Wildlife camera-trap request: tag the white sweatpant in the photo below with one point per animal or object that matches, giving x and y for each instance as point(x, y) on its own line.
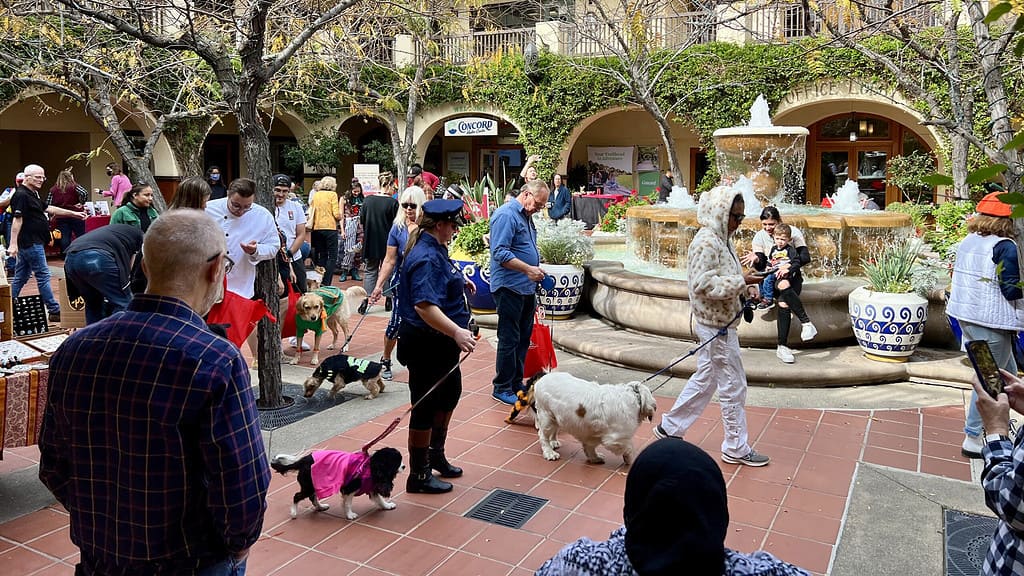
point(718, 368)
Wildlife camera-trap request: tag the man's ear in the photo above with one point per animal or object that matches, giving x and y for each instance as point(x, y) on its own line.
point(213, 268)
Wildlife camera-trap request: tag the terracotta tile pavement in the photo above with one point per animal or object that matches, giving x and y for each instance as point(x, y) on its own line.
point(793, 508)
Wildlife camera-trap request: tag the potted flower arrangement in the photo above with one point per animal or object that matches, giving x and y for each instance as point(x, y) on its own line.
point(888, 315)
point(563, 248)
point(473, 256)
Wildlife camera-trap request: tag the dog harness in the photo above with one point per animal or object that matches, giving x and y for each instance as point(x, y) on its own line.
point(332, 297)
point(332, 469)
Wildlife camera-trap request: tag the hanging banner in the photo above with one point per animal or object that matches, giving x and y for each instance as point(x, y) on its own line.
point(611, 168)
point(647, 158)
point(367, 174)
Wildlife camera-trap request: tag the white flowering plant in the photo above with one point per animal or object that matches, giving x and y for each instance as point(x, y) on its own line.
point(563, 241)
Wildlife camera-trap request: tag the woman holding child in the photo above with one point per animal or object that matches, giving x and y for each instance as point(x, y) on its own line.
point(781, 250)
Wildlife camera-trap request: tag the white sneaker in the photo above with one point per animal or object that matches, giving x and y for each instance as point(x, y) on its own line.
point(785, 354)
point(808, 332)
point(294, 342)
point(972, 446)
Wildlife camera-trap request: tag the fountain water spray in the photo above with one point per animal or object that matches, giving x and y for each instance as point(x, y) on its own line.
point(846, 199)
point(680, 198)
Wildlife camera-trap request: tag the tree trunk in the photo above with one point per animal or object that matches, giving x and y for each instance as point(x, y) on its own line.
point(185, 137)
point(256, 147)
point(665, 130)
point(135, 167)
point(958, 161)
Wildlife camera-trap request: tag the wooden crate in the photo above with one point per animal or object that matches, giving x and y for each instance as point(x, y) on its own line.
point(6, 313)
point(72, 313)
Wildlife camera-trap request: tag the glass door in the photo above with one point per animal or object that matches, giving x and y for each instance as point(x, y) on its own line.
point(871, 165)
point(835, 166)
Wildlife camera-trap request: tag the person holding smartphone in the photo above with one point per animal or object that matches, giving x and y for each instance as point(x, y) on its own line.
point(984, 296)
point(1003, 476)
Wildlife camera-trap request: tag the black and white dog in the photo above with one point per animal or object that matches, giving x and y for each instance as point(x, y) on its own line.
point(324, 472)
point(340, 370)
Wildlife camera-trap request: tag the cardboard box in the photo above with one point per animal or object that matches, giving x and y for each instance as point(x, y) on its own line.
point(6, 313)
point(72, 313)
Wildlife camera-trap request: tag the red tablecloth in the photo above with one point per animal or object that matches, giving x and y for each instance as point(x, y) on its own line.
point(604, 196)
point(94, 222)
point(22, 401)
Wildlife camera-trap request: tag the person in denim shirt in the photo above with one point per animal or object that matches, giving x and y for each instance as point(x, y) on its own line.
point(515, 272)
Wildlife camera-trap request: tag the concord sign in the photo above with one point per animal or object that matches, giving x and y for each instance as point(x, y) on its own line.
point(471, 126)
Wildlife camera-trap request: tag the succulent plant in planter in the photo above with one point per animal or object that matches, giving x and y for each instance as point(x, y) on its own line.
point(564, 247)
point(888, 315)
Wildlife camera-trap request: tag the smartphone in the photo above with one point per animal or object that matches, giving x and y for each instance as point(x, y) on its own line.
point(985, 366)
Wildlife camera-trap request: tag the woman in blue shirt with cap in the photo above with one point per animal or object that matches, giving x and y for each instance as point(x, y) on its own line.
point(434, 331)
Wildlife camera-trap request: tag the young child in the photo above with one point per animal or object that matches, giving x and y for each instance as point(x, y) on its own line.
point(789, 287)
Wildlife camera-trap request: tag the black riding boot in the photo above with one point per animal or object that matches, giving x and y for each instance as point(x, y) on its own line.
point(421, 480)
point(438, 436)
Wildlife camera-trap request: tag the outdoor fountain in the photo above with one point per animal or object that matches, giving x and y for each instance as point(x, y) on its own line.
point(766, 163)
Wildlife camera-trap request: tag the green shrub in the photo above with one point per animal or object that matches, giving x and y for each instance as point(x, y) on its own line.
point(950, 227)
point(614, 220)
point(918, 212)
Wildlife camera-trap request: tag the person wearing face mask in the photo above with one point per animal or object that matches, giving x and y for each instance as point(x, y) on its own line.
point(119, 184)
point(216, 181)
point(199, 441)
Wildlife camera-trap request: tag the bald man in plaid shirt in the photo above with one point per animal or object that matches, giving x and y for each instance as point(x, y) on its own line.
point(1003, 477)
point(150, 437)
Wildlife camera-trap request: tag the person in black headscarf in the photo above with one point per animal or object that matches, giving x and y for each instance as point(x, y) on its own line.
point(676, 515)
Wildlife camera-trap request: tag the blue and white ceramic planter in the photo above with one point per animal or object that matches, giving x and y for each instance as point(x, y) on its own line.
point(888, 326)
point(561, 300)
point(482, 302)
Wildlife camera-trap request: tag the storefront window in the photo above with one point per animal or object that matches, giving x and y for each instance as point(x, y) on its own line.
point(854, 127)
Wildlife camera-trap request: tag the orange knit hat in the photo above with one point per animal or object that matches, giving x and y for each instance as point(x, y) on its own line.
point(991, 205)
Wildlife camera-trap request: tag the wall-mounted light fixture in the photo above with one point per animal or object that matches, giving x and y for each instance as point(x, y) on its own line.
point(853, 136)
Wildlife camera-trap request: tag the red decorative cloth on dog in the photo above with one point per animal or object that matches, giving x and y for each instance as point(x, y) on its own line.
point(332, 469)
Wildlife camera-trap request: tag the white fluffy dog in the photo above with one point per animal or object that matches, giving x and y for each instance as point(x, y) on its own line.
point(595, 414)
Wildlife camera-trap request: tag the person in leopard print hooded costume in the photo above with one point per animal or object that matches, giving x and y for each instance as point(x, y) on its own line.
point(717, 286)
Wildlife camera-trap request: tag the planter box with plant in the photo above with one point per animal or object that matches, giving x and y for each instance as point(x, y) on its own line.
point(473, 256)
point(889, 314)
point(564, 248)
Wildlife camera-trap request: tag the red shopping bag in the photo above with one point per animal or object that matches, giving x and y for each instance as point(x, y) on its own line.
point(287, 312)
point(541, 355)
point(239, 316)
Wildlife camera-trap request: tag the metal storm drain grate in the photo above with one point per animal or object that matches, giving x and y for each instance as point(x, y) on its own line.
point(967, 540)
point(506, 508)
point(272, 419)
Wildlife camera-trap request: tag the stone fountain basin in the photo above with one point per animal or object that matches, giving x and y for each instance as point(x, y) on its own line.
point(662, 306)
point(838, 240)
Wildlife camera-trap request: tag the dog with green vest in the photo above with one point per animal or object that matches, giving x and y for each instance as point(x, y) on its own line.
point(316, 311)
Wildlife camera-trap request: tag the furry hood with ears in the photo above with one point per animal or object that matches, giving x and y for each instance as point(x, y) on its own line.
point(716, 279)
point(713, 210)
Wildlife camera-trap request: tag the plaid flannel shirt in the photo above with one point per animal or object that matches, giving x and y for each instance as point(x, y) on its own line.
point(151, 441)
point(1003, 481)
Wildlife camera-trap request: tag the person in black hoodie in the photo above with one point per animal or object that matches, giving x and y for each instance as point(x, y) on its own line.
point(676, 515)
point(99, 266)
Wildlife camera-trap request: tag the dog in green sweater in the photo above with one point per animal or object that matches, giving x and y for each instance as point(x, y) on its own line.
point(325, 308)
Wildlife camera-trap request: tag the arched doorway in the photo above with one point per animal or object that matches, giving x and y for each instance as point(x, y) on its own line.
point(857, 146)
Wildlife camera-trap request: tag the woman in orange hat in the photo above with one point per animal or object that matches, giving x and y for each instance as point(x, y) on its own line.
point(985, 297)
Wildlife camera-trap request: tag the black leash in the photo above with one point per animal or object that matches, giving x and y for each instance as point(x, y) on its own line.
point(394, 424)
point(748, 306)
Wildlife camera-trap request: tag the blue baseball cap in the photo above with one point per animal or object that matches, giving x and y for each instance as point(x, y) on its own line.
point(444, 210)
